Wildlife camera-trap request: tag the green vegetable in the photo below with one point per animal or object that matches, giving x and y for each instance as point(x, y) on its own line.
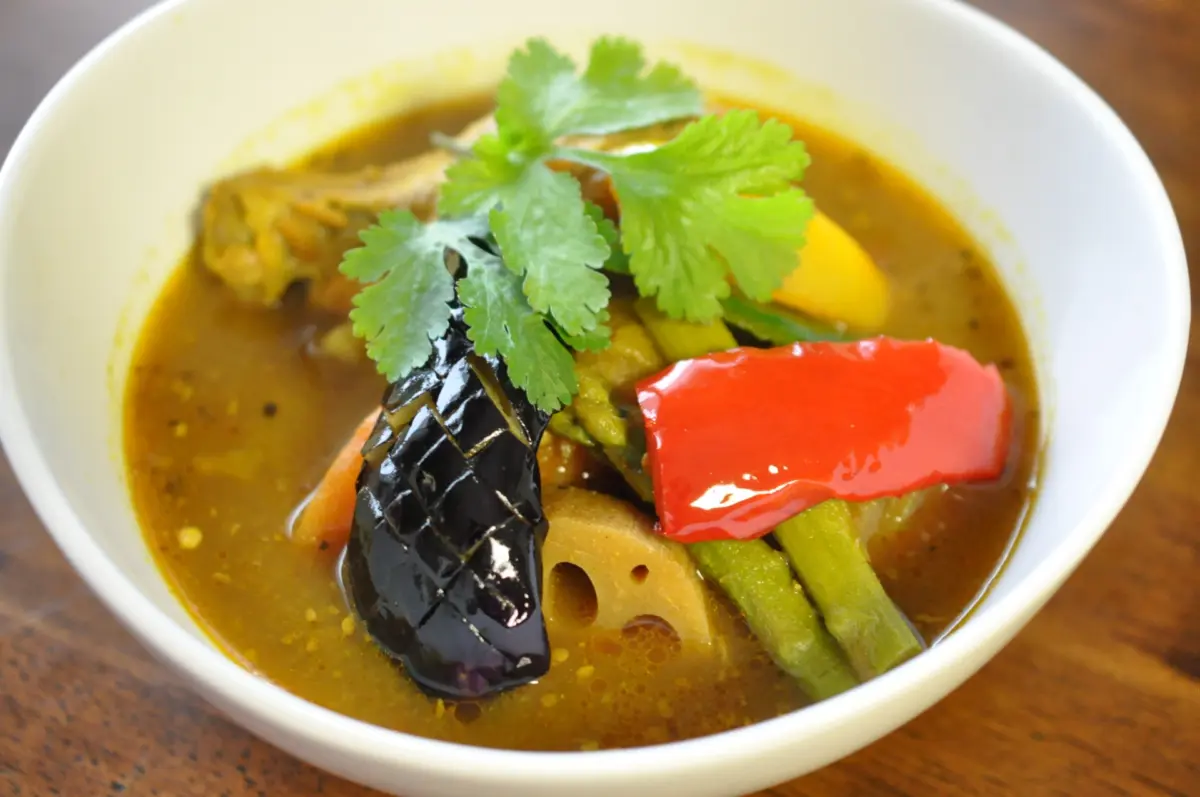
point(825, 551)
point(628, 460)
point(407, 306)
point(562, 423)
point(543, 98)
point(595, 411)
point(603, 425)
point(618, 261)
point(719, 199)
point(758, 581)
point(500, 321)
point(774, 324)
point(545, 233)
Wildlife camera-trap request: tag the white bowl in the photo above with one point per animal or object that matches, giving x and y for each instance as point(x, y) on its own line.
point(96, 202)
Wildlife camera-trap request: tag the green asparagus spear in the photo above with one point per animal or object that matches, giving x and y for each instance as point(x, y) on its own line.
point(823, 546)
point(757, 579)
point(596, 417)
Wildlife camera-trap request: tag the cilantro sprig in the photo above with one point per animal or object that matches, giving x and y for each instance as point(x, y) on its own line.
point(718, 201)
point(719, 197)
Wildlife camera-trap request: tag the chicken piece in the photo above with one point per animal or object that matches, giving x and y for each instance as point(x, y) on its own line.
point(266, 229)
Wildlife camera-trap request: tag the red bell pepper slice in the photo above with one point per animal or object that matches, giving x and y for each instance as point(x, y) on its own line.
point(741, 440)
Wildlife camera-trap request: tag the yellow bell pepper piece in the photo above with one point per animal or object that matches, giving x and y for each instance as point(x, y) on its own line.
point(836, 279)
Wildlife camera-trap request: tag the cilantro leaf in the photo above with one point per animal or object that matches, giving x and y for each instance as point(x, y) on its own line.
point(618, 261)
point(545, 234)
point(720, 197)
point(538, 87)
point(542, 366)
point(669, 261)
point(473, 185)
point(500, 321)
point(544, 98)
point(406, 304)
point(624, 96)
point(593, 340)
point(766, 234)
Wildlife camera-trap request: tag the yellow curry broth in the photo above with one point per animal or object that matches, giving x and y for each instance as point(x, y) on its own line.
point(230, 421)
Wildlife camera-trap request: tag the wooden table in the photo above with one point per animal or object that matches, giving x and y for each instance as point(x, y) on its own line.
point(1099, 696)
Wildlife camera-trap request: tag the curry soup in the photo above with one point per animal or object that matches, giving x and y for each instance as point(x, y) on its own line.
point(233, 414)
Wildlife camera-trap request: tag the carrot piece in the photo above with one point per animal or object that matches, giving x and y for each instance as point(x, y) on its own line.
point(329, 514)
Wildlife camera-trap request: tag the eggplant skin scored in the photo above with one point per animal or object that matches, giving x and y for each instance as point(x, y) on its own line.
point(444, 562)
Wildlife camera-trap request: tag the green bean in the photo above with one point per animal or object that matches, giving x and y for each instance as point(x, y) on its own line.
point(757, 579)
point(825, 551)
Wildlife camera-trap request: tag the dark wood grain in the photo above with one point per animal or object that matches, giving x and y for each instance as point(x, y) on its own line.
point(1100, 695)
